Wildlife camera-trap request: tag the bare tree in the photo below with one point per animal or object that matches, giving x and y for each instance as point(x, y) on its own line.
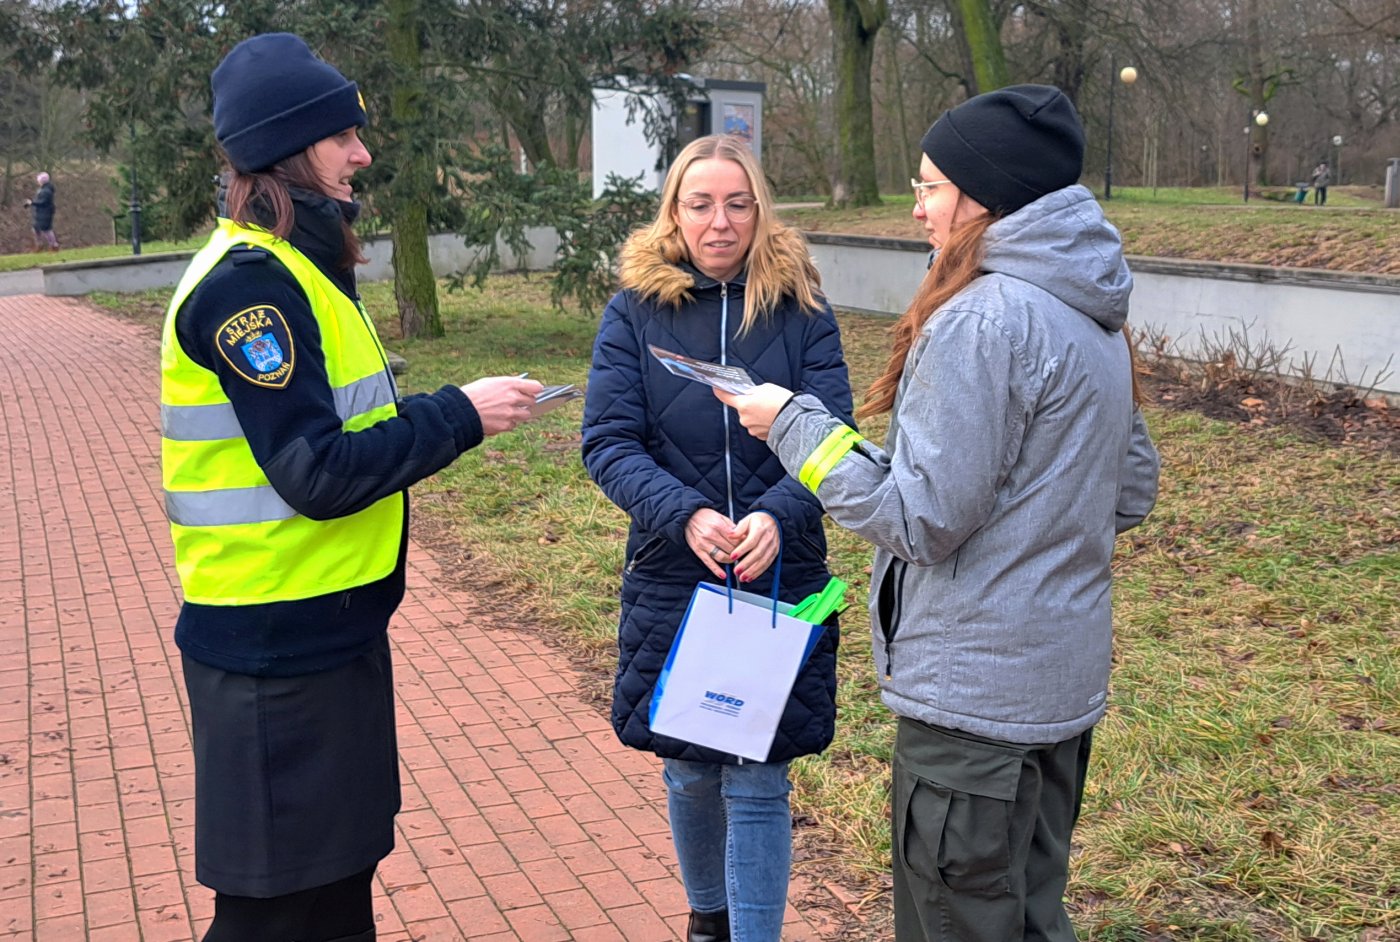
point(854, 26)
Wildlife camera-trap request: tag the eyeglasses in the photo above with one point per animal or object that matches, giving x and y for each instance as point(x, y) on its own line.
point(923, 188)
point(739, 209)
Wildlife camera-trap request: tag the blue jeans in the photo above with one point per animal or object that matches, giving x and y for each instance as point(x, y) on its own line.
point(733, 834)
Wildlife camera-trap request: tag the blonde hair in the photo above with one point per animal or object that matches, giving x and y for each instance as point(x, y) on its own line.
point(765, 285)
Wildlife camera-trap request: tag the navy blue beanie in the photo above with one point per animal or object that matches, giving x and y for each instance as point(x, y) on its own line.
point(273, 98)
point(1009, 147)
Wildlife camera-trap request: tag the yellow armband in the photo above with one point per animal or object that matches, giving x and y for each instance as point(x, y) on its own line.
point(832, 449)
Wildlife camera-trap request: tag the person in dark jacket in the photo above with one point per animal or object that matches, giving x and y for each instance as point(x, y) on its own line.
point(286, 454)
point(1015, 454)
point(716, 277)
point(41, 209)
point(1321, 180)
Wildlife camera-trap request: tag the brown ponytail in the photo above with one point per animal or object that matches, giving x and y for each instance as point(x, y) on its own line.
point(264, 199)
point(957, 266)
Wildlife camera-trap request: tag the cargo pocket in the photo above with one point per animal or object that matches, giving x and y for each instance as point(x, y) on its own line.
point(953, 807)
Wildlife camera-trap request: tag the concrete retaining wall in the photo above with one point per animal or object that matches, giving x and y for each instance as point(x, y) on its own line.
point(134, 273)
point(1342, 327)
point(1348, 324)
point(448, 255)
point(163, 270)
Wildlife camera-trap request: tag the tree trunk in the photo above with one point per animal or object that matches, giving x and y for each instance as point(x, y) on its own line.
point(899, 158)
point(573, 136)
point(1072, 32)
point(855, 24)
point(415, 288)
point(526, 116)
point(981, 41)
point(1258, 93)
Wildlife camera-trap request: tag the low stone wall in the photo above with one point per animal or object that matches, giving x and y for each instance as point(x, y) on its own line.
point(1332, 325)
point(132, 273)
point(446, 252)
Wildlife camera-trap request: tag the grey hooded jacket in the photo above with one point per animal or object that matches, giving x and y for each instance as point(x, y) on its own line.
point(1014, 455)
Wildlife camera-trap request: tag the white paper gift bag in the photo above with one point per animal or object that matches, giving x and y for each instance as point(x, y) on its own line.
point(730, 670)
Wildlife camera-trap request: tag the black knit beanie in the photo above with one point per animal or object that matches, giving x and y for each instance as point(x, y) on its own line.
point(1009, 147)
point(273, 98)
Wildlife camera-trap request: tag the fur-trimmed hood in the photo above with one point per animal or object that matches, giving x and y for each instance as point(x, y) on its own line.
point(647, 267)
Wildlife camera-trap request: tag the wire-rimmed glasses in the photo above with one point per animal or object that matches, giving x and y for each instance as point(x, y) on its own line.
point(923, 188)
point(736, 209)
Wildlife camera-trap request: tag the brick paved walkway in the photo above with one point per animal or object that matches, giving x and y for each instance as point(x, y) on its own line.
point(523, 818)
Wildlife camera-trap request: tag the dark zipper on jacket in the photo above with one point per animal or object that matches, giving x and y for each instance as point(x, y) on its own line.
point(890, 629)
point(644, 552)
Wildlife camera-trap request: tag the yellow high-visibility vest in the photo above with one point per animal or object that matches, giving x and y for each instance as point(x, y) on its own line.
point(236, 541)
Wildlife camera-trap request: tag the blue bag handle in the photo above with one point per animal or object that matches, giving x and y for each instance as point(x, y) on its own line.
point(777, 573)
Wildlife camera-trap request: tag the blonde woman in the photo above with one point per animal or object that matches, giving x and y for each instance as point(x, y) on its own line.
point(1015, 453)
point(717, 277)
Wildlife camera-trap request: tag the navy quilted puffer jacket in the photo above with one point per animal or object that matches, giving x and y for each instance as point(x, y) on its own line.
point(662, 447)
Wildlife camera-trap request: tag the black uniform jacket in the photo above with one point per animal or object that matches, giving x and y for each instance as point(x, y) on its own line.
point(320, 470)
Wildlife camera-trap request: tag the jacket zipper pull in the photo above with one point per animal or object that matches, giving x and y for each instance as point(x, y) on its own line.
point(889, 662)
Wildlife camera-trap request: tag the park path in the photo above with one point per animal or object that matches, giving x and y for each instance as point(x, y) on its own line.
point(524, 820)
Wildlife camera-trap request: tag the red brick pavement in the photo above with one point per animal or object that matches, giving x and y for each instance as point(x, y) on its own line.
point(523, 817)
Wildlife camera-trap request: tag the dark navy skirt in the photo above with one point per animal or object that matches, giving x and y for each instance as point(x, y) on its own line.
point(296, 778)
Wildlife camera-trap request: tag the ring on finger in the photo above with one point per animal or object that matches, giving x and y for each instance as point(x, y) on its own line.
point(714, 553)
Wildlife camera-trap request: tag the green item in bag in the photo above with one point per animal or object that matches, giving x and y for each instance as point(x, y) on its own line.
point(817, 608)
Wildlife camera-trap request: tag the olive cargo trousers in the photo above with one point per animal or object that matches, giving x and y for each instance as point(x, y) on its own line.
point(981, 835)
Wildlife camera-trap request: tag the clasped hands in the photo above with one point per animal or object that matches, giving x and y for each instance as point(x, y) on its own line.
point(751, 544)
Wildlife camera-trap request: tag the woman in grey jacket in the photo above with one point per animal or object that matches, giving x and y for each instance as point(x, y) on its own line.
point(1014, 455)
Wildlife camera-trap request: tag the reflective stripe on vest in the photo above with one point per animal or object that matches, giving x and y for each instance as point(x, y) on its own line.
point(237, 542)
point(218, 421)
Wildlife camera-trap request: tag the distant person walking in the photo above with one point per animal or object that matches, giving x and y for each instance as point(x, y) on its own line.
point(1321, 177)
point(41, 207)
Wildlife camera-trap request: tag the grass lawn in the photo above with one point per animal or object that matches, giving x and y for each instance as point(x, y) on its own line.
point(90, 252)
point(1349, 234)
point(1244, 783)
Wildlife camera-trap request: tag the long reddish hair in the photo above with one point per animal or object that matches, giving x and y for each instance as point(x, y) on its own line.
point(257, 198)
point(957, 266)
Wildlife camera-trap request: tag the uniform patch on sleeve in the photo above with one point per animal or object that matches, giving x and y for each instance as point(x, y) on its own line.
point(257, 343)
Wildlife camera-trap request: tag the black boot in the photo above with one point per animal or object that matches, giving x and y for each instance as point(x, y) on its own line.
point(708, 927)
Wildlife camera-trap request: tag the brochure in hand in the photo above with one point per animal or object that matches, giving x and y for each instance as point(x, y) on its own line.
point(552, 397)
point(731, 379)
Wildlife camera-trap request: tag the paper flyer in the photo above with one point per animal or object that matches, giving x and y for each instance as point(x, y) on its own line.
point(731, 379)
point(552, 397)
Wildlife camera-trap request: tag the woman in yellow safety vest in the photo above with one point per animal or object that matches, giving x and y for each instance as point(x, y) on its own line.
point(286, 452)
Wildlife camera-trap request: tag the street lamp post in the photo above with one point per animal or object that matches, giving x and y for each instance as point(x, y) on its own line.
point(1127, 76)
point(135, 209)
point(1337, 156)
point(1260, 118)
